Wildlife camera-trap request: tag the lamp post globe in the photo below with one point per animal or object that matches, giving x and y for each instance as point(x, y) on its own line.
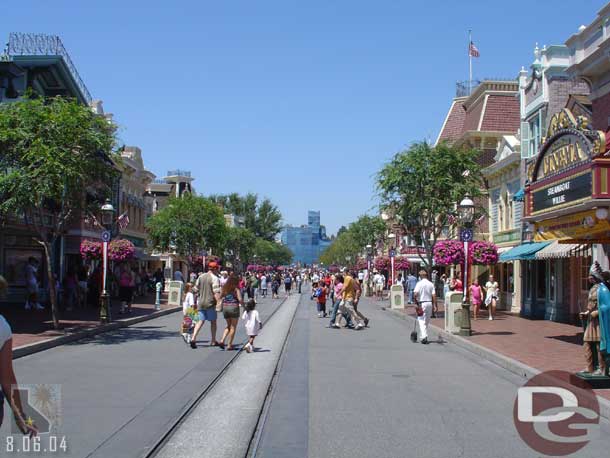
point(466, 211)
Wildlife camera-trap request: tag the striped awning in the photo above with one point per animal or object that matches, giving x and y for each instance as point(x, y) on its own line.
point(558, 250)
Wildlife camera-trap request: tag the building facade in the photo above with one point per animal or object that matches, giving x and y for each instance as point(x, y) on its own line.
point(306, 242)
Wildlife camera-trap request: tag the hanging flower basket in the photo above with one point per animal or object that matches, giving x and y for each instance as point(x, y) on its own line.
point(483, 253)
point(333, 268)
point(121, 250)
point(448, 252)
point(382, 263)
point(401, 263)
point(90, 250)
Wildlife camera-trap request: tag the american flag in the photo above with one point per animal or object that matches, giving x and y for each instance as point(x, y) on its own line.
point(123, 221)
point(473, 51)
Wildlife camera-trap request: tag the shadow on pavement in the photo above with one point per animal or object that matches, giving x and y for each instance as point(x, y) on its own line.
point(128, 334)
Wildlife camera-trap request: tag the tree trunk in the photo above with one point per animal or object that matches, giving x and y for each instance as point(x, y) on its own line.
point(51, 280)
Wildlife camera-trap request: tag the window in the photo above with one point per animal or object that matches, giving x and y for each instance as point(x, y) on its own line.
point(541, 280)
point(534, 131)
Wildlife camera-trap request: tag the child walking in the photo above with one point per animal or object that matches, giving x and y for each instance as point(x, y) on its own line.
point(252, 322)
point(187, 322)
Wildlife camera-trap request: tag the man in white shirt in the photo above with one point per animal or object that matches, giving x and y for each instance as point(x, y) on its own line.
point(379, 281)
point(425, 297)
point(360, 277)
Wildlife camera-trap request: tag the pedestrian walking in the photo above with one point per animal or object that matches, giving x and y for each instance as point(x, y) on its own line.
point(275, 286)
point(321, 295)
point(360, 315)
point(31, 281)
point(178, 276)
point(187, 303)
point(230, 298)
point(338, 288)
point(252, 323)
point(264, 285)
point(288, 284)
point(208, 290)
point(476, 296)
point(299, 282)
point(425, 297)
point(492, 296)
point(379, 281)
point(346, 307)
point(411, 282)
point(125, 291)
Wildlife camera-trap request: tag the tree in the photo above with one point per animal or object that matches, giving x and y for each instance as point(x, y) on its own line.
point(267, 252)
point(351, 241)
point(188, 225)
point(422, 185)
point(239, 245)
point(263, 219)
point(57, 161)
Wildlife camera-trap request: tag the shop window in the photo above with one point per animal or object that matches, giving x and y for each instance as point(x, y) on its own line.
point(529, 279)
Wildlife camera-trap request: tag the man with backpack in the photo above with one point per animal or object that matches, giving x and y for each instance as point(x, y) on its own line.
point(288, 283)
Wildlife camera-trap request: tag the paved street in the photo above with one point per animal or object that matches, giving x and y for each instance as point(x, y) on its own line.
point(343, 393)
point(121, 390)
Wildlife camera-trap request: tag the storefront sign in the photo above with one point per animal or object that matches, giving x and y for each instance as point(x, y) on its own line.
point(582, 225)
point(562, 192)
point(505, 237)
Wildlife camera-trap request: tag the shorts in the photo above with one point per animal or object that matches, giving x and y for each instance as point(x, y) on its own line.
point(230, 311)
point(379, 288)
point(207, 314)
point(287, 286)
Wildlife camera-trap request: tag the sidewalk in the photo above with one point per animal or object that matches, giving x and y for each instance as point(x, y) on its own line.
point(543, 345)
point(31, 327)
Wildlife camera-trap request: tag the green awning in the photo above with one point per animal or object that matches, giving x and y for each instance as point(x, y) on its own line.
point(523, 252)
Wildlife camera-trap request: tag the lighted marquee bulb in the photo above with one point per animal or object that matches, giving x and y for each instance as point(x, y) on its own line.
point(601, 213)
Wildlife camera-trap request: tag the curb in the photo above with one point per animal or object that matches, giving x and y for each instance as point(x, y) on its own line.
point(36, 347)
point(505, 362)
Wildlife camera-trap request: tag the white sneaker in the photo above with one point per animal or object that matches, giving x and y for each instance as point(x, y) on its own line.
point(359, 326)
point(248, 348)
point(491, 318)
point(28, 306)
point(39, 307)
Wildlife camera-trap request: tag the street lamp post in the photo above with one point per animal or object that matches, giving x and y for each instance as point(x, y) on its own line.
point(466, 217)
point(392, 254)
point(107, 211)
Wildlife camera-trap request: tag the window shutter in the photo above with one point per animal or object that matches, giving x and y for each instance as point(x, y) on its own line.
point(525, 140)
point(517, 214)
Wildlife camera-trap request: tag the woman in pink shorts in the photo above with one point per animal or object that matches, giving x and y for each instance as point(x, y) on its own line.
point(476, 296)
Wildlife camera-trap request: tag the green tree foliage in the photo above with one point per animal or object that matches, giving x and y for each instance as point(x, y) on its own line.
point(188, 225)
point(239, 246)
point(273, 253)
point(422, 185)
point(55, 157)
point(351, 241)
point(262, 218)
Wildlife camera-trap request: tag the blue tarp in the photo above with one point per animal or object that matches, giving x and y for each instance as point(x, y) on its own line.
point(523, 252)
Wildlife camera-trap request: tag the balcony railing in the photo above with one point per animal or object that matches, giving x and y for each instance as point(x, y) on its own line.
point(36, 44)
point(179, 173)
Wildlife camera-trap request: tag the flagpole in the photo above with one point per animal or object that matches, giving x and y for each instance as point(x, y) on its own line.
point(469, 62)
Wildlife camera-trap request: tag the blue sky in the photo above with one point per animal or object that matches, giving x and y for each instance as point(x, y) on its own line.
point(300, 101)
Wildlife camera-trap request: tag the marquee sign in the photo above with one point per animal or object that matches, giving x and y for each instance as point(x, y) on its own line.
point(560, 193)
point(568, 144)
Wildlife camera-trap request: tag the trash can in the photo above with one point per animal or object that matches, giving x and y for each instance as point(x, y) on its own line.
point(397, 297)
point(453, 311)
point(175, 293)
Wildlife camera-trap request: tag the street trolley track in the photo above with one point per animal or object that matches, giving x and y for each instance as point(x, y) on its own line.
point(262, 419)
point(181, 417)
